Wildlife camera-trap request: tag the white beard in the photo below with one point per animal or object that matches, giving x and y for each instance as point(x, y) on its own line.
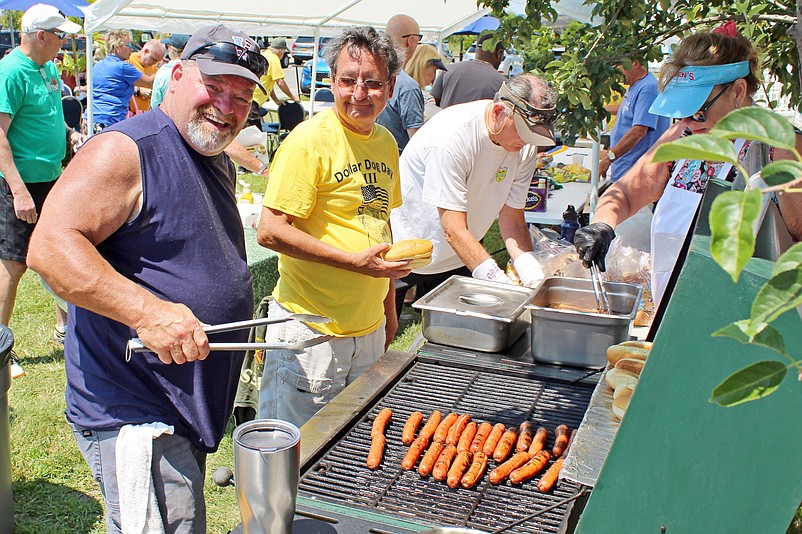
point(204, 137)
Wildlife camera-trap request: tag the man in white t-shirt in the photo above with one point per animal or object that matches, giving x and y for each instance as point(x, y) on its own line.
point(468, 165)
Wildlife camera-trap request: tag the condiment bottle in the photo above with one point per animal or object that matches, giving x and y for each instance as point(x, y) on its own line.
point(570, 224)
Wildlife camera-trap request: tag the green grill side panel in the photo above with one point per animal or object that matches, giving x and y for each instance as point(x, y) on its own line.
point(680, 464)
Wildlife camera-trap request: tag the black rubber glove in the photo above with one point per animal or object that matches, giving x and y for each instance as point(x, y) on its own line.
point(592, 243)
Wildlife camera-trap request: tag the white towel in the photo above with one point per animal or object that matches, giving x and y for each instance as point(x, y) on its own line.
point(139, 511)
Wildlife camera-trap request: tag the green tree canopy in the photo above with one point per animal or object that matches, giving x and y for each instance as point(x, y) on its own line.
point(585, 75)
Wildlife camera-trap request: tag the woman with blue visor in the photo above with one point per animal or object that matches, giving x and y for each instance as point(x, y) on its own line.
point(709, 75)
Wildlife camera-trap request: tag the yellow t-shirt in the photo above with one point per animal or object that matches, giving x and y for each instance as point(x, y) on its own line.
point(340, 187)
point(143, 103)
point(274, 72)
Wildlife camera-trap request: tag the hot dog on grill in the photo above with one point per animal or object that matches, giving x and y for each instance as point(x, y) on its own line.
point(376, 451)
point(414, 452)
point(432, 454)
point(481, 436)
point(443, 463)
point(539, 441)
point(412, 424)
point(380, 423)
point(457, 429)
point(505, 445)
point(458, 468)
point(492, 440)
point(431, 425)
point(475, 471)
point(377, 439)
point(500, 473)
point(445, 425)
point(561, 437)
point(531, 468)
point(549, 478)
point(465, 440)
point(525, 434)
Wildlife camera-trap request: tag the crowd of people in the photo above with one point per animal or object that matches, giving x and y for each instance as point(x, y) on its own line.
point(374, 169)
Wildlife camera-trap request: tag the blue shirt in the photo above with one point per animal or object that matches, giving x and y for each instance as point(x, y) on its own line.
point(634, 111)
point(112, 89)
point(404, 110)
point(186, 245)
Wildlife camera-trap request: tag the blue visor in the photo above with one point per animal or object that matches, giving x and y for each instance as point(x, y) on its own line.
point(687, 92)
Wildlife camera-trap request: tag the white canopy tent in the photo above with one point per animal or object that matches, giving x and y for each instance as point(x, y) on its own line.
point(437, 19)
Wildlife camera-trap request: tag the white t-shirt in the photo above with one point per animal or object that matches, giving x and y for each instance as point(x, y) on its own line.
point(451, 163)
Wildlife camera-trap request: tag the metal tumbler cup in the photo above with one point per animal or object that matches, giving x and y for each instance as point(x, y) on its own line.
point(266, 473)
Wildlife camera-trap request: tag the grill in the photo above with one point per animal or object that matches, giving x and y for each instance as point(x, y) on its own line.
point(339, 480)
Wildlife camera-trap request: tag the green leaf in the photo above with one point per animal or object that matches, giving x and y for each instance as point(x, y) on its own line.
point(751, 383)
point(703, 147)
point(757, 124)
point(783, 291)
point(761, 334)
point(780, 172)
point(732, 241)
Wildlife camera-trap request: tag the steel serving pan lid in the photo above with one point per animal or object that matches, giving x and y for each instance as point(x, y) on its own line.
point(463, 295)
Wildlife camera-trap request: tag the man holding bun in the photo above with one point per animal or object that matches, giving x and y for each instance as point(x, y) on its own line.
point(326, 211)
point(469, 164)
point(418, 252)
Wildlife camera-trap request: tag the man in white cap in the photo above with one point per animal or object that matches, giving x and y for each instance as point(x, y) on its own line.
point(160, 254)
point(33, 139)
point(470, 164)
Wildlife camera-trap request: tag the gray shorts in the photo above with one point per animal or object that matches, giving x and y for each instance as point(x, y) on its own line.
point(296, 384)
point(178, 471)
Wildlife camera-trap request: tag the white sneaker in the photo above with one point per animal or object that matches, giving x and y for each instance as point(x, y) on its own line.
point(16, 369)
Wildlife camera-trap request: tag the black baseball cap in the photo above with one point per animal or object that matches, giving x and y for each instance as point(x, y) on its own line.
point(220, 50)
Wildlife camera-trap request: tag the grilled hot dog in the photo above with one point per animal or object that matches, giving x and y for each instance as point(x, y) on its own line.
point(481, 436)
point(525, 434)
point(531, 468)
point(410, 427)
point(457, 429)
point(475, 471)
point(380, 423)
point(465, 440)
point(458, 468)
point(493, 439)
point(500, 473)
point(561, 437)
point(443, 463)
point(445, 425)
point(539, 441)
point(505, 445)
point(432, 454)
point(376, 451)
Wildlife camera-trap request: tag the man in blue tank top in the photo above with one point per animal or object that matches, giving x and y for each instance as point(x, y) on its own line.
point(156, 252)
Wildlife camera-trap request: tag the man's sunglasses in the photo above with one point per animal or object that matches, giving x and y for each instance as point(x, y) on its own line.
point(533, 116)
point(418, 35)
point(235, 55)
point(369, 85)
point(60, 35)
point(701, 115)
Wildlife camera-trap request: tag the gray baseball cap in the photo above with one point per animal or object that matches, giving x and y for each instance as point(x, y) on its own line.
point(220, 50)
point(279, 44)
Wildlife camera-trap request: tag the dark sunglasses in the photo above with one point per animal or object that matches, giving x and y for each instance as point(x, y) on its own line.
point(533, 116)
point(418, 35)
point(369, 85)
point(235, 55)
point(60, 35)
point(701, 116)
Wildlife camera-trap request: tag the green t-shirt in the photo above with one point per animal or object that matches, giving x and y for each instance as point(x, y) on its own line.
point(31, 95)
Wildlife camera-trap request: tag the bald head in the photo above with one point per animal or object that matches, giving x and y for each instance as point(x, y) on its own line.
point(405, 32)
point(152, 53)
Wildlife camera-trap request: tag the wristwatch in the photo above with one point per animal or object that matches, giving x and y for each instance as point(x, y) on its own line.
point(611, 155)
point(262, 168)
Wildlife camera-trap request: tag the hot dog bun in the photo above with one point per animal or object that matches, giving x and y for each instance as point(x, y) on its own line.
point(416, 251)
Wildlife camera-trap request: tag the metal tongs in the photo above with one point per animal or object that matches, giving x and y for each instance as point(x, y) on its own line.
point(136, 345)
point(602, 301)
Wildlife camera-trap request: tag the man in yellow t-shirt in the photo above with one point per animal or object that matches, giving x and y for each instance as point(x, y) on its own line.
point(147, 61)
point(274, 76)
point(326, 211)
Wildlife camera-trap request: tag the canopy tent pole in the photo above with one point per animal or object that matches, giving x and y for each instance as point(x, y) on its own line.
point(90, 116)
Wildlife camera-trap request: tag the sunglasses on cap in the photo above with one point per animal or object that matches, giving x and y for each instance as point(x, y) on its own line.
point(532, 115)
point(701, 115)
point(60, 35)
point(235, 55)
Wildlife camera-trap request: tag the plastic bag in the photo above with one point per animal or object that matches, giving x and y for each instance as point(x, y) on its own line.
point(550, 251)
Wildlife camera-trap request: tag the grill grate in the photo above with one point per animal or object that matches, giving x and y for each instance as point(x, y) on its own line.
point(341, 476)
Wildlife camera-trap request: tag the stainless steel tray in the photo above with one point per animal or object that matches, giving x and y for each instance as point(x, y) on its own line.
point(475, 314)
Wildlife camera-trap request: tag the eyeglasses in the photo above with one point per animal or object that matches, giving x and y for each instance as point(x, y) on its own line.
point(418, 35)
point(234, 54)
point(701, 115)
point(369, 85)
point(60, 35)
point(533, 116)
